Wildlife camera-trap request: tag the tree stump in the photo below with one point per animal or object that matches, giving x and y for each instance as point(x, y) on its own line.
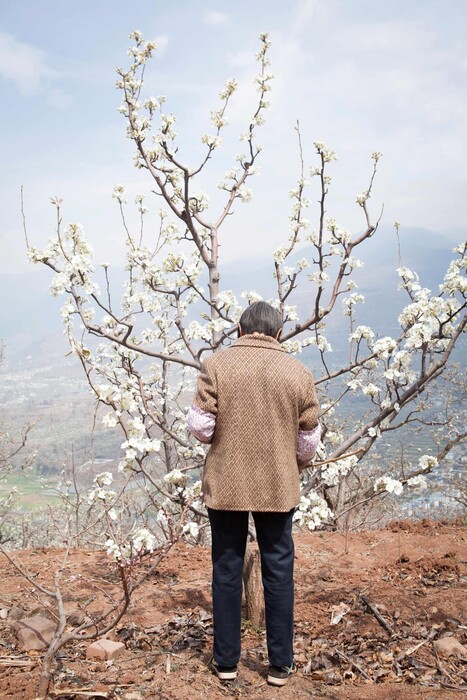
point(253, 586)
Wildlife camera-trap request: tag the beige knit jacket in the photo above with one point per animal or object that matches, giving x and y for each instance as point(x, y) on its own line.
point(261, 397)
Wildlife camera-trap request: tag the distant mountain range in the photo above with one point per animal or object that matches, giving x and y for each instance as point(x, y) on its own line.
point(426, 252)
point(30, 321)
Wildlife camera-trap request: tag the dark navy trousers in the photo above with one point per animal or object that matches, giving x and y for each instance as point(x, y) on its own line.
point(229, 536)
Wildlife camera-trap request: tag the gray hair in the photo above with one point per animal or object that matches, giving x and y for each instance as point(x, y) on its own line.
point(261, 317)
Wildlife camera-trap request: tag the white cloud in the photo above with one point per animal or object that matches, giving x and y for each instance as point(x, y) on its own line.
point(242, 59)
point(161, 42)
point(215, 19)
point(304, 12)
point(385, 36)
point(59, 99)
point(23, 64)
point(361, 81)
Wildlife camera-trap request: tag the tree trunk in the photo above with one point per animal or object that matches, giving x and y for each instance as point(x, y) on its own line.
point(253, 586)
point(44, 682)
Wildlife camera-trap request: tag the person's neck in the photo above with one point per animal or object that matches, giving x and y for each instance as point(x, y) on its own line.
point(259, 336)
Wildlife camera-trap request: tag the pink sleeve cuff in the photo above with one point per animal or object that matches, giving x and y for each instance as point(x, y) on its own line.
point(308, 441)
point(201, 423)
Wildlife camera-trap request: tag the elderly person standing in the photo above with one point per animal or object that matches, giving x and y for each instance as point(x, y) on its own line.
point(257, 407)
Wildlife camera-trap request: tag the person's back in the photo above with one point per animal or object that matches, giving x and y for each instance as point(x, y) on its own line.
point(264, 397)
point(257, 408)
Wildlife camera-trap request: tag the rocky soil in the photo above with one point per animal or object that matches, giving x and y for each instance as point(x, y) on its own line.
point(402, 591)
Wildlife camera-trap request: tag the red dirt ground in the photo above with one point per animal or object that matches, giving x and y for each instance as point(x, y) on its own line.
point(415, 572)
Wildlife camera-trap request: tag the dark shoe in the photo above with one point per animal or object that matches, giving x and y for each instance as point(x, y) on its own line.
point(224, 673)
point(279, 675)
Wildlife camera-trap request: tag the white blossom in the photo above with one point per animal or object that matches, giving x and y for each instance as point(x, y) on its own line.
point(143, 540)
point(427, 462)
point(191, 529)
point(353, 263)
point(229, 88)
point(362, 332)
point(161, 518)
point(292, 346)
point(350, 301)
point(319, 277)
point(113, 549)
point(319, 341)
point(362, 198)
point(279, 255)
point(370, 389)
point(212, 141)
point(312, 511)
point(244, 194)
point(227, 299)
point(252, 296)
point(354, 383)
point(110, 420)
point(67, 310)
point(118, 193)
point(104, 479)
point(101, 494)
point(383, 347)
point(196, 331)
point(387, 483)
point(59, 284)
point(291, 313)
point(176, 477)
point(418, 481)
point(332, 473)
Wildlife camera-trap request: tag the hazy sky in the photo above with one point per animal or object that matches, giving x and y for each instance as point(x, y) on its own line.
point(361, 75)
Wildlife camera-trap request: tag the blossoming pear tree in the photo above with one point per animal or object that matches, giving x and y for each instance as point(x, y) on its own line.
point(174, 311)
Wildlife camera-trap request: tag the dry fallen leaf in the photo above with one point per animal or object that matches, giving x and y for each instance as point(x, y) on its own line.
point(338, 612)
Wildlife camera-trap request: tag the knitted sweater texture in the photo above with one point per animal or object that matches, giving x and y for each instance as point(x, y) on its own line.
point(261, 398)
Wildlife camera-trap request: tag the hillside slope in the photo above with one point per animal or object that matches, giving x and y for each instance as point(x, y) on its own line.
point(414, 572)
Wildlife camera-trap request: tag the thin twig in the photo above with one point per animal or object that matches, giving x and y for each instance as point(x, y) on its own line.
point(337, 459)
point(377, 614)
point(415, 648)
point(352, 663)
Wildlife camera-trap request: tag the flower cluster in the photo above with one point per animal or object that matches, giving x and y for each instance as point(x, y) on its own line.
point(251, 296)
point(292, 346)
point(387, 483)
point(191, 529)
point(332, 473)
point(319, 341)
point(383, 347)
point(99, 492)
point(427, 462)
point(327, 155)
point(141, 541)
point(176, 478)
point(349, 302)
point(312, 512)
point(418, 481)
point(362, 332)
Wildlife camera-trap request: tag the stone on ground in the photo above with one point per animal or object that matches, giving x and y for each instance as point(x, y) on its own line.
point(104, 649)
point(35, 633)
point(450, 646)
